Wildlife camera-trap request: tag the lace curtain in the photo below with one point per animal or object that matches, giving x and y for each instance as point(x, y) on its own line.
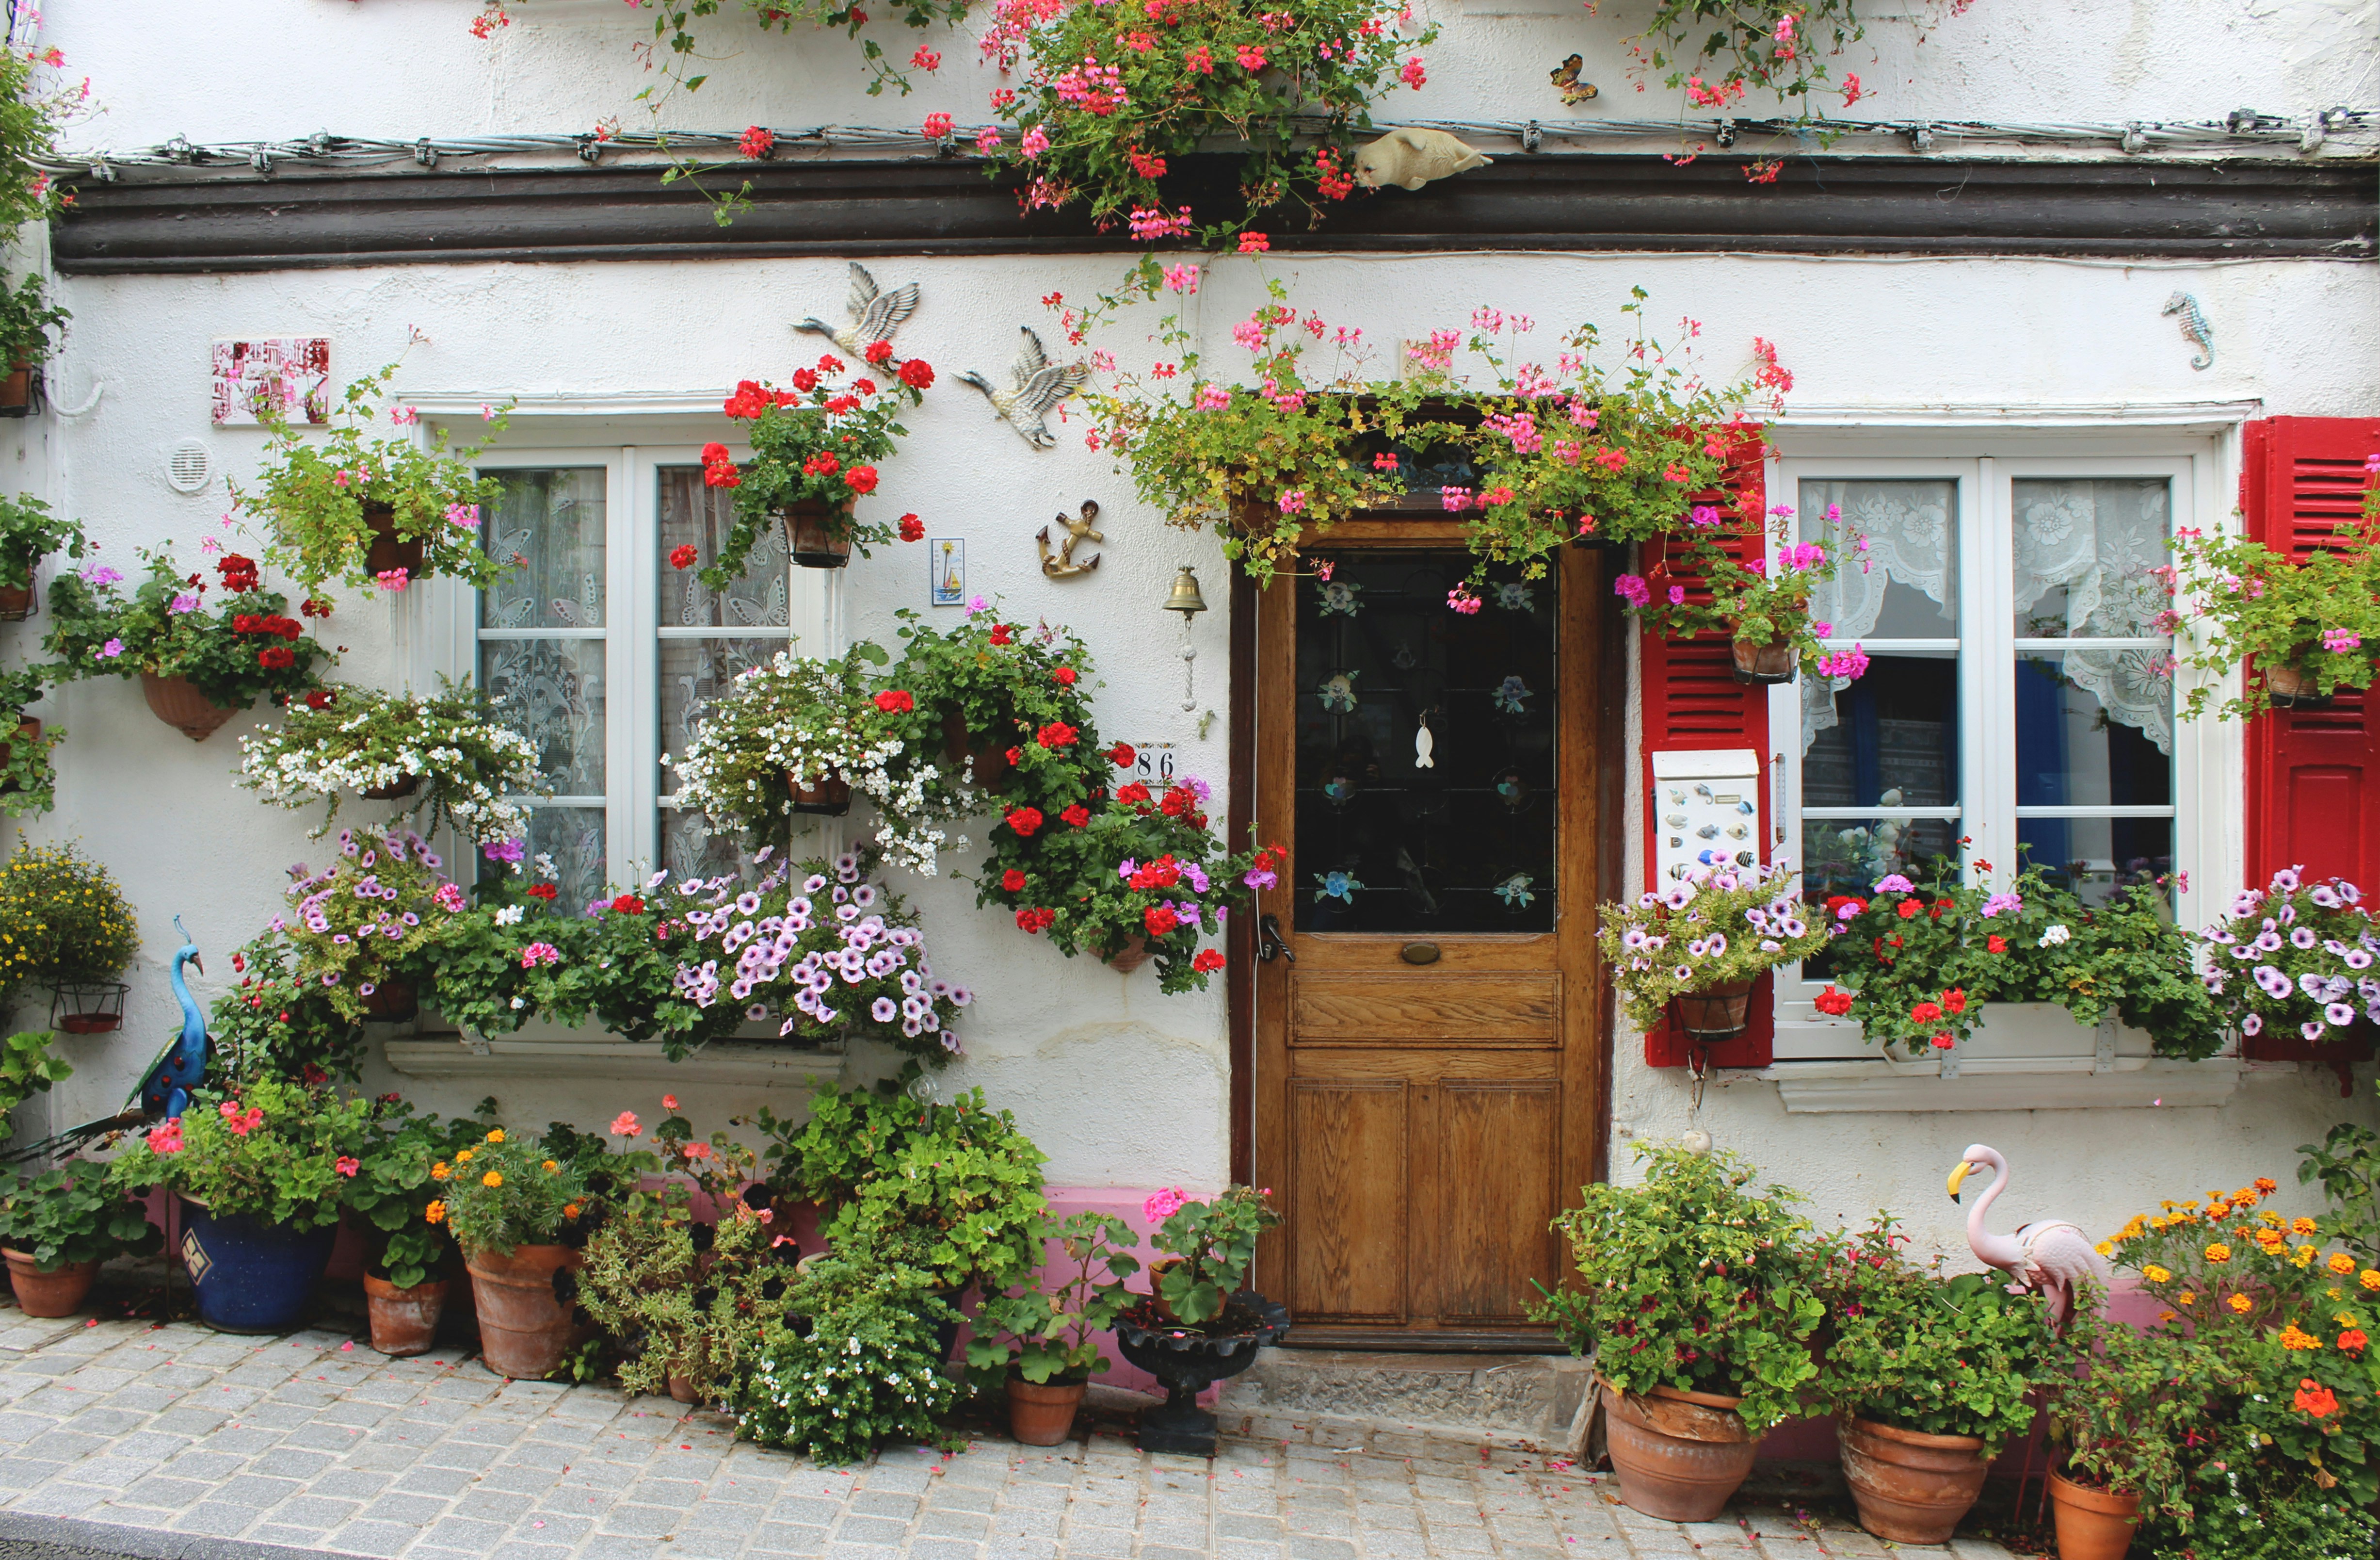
point(2084, 547)
point(1912, 530)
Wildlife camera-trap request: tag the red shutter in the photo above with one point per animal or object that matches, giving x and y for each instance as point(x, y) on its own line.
point(2313, 775)
point(1691, 700)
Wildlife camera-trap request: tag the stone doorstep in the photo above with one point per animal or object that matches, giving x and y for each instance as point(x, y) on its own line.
point(1534, 1402)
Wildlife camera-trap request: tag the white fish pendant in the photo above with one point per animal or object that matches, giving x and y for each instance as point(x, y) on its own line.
point(1423, 745)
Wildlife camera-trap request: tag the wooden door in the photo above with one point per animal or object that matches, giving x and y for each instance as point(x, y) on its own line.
point(1427, 1064)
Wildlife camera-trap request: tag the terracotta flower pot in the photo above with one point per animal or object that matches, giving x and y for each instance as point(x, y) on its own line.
point(403, 787)
point(387, 550)
point(393, 1002)
point(1679, 1455)
point(828, 796)
point(819, 536)
point(16, 598)
point(681, 1389)
point(986, 755)
point(2092, 1524)
point(1042, 1415)
point(2293, 688)
point(404, 1322)
point(1717, 1013)
point(1159, 1308)
point(524, 1321)
point(59, 1292)
point(1911, 1487)
point(183, 707)
point(1770, 663)
point(19, 390)
point(1135, 953)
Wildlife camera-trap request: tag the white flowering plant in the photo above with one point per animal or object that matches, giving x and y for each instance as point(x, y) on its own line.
point(370, 918)
point(2296, 955)
point(797, 722)
point(447, 753)
point(821, 945)
point(1712, 928)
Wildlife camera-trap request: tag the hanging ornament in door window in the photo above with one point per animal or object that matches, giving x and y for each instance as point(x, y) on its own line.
point(1337, 884)
point(1423, 745)
point(1338, 597)
point(1340, 785)
point(1512, 695)
point(1513, 596)
point(1337, 692)
point(1512, 789)
point(1515, 891)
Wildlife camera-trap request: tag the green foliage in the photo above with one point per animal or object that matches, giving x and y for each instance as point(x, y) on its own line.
point(313, 498)
point(703, 1301)
point(247, 648)
point(2233, 1520)
point(2321, 617)
point(1293, 446)
point(1749, 911)
point(29, 532)
point(27, 1068)
point(28, 780)
point(961, 1177)
point(1955, 1356)
point(2346, 1162)
point(504, 1192)
point(817, 443)
point(377, 914)
point(1694, 1281)
point(1213, 1244)
point(1921, 961)
point(2134, 1413)
point(1004, 682)
point(342, 738)
point(30, 117)
point(27, 315)
point(1716, 51)
point(860, 1368)
point(1051, 1329)
point(70, 1214)
point(63, 919)
point(1114, 97)
point(275, 1024)
point(271, 1150)
point(392, 1189)
point(1764, 601)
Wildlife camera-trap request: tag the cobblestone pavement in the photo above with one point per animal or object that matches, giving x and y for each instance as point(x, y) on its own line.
point(315, 1441)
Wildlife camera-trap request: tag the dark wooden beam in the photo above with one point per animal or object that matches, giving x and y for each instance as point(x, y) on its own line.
point(187, 221)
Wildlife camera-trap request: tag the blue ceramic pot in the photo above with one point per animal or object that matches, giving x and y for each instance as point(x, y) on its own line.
point(252, 1277)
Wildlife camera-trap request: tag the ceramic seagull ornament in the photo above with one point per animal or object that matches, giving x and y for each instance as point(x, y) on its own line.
point(875, 315)
point(1038, 386)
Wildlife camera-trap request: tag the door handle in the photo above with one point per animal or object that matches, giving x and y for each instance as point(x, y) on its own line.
point(1271, 944)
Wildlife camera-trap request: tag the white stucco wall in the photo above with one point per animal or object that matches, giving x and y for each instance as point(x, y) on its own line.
point(1121, 1087)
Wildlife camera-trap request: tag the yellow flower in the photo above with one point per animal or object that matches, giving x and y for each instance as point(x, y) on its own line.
point(435, 1212)
point(2241, 1304)
point(2304, 1255)
point(2302, 1226)
point(439, 1171)
point(2369, 1279)
point(2154, 1273)
point(2340, 1262)
point(497, 1136)
point(2218, 1253)
point(551, 1168)
point(2168, 1316)
point(492, 1179)
point(2271, 1241)
point(2346, 1319)
point(2294, 1336)
point(2105, 1247)
point(2268, 1216)
point(464, 1156)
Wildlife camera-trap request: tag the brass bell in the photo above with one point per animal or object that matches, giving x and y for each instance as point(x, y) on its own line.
point(1184, 597)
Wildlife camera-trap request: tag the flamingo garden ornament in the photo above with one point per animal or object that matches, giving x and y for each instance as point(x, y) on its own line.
point(2048, 1256)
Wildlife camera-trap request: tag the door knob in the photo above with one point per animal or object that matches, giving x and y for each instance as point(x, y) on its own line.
point(1270, 941)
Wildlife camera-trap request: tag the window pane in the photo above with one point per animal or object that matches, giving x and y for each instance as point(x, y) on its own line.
point(2084, 547)
point(1888, 739)
point(2094, 727)
point(695, 673)
point(2094, 857)
point(695, 514)
point(552, 523)
point(1906, 585)
point(1843, 858)
point(692, 846)
point(1384, 844)
point(573, 838)
point(552, 692)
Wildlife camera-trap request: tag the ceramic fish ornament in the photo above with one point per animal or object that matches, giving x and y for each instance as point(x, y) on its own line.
point(1573, 91)
point(1423, 746)
point(1410, 158)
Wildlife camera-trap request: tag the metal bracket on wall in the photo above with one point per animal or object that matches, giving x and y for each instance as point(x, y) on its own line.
point(2105, 1061)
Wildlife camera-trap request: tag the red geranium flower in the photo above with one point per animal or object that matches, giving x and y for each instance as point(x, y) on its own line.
point(1207, 961)
point(829, 363)
point(238, 573)
point(864, 386)
point(1908, 908)
point(1121, 755)
point(1001, 633)
point(918, 374)
point(861, 478)
point(2316, 1398)
point(806, 379)
point(1057, 734)
point(683, 556)
point(1833, 1002)
point(1024, 819)
point(1954, 1001)
point(912, 528)
point(757, 142)
point(545, 891)
point(837, 405)
point(628, 905)
point(878, 352)
point(1075, 816)
point(1035, 921)
point(1064, 676)
point(276, 658)
point(1013, 880)
point(748, 401)
point(1133, 795)
point(310, 607)
point(1926, 1013)
point(896, 702)
point(823, 464)
point(1995, 943)
point(1159, 920)
point(1015, 757)
point(321, 698)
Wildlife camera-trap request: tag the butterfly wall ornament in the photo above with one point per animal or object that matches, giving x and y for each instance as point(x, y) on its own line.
point(1573, 91)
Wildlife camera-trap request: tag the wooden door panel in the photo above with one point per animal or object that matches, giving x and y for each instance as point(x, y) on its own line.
point(1501, 1142)
point(1515, 1009)
point(1349, 1200)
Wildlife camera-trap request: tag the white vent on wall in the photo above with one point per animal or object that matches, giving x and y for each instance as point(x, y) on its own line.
point(188, 468)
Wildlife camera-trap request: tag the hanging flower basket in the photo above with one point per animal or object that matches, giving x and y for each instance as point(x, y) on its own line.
point(819, 535)
point(983, 756)
point(403, 787)
point(1762, 664)
point(16, 598)
point(177, 703)
point(21, 391)
point(1716, 1014)
point(827, 797)
point(87, 1006)
point(392, 1002)
point(387, 550)
point(1129, 955)
point(28, 730)
point(2293, 688)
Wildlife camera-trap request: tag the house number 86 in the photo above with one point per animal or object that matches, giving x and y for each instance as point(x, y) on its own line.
point(1156, 763)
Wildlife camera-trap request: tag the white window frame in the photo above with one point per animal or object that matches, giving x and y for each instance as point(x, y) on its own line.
point(632, 631)
point(2198, 462)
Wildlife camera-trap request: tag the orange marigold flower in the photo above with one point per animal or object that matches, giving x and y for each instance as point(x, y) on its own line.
point(2218, 1253)
point(2340, 1262)
point(2295, 1336)
point(2266, 1185)
point(492, 1179)
point(2302, 1226)
point(497, 1136)
point(2241, 1304)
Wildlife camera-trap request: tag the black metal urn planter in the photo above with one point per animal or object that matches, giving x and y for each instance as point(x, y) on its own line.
point(1190, 1360)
